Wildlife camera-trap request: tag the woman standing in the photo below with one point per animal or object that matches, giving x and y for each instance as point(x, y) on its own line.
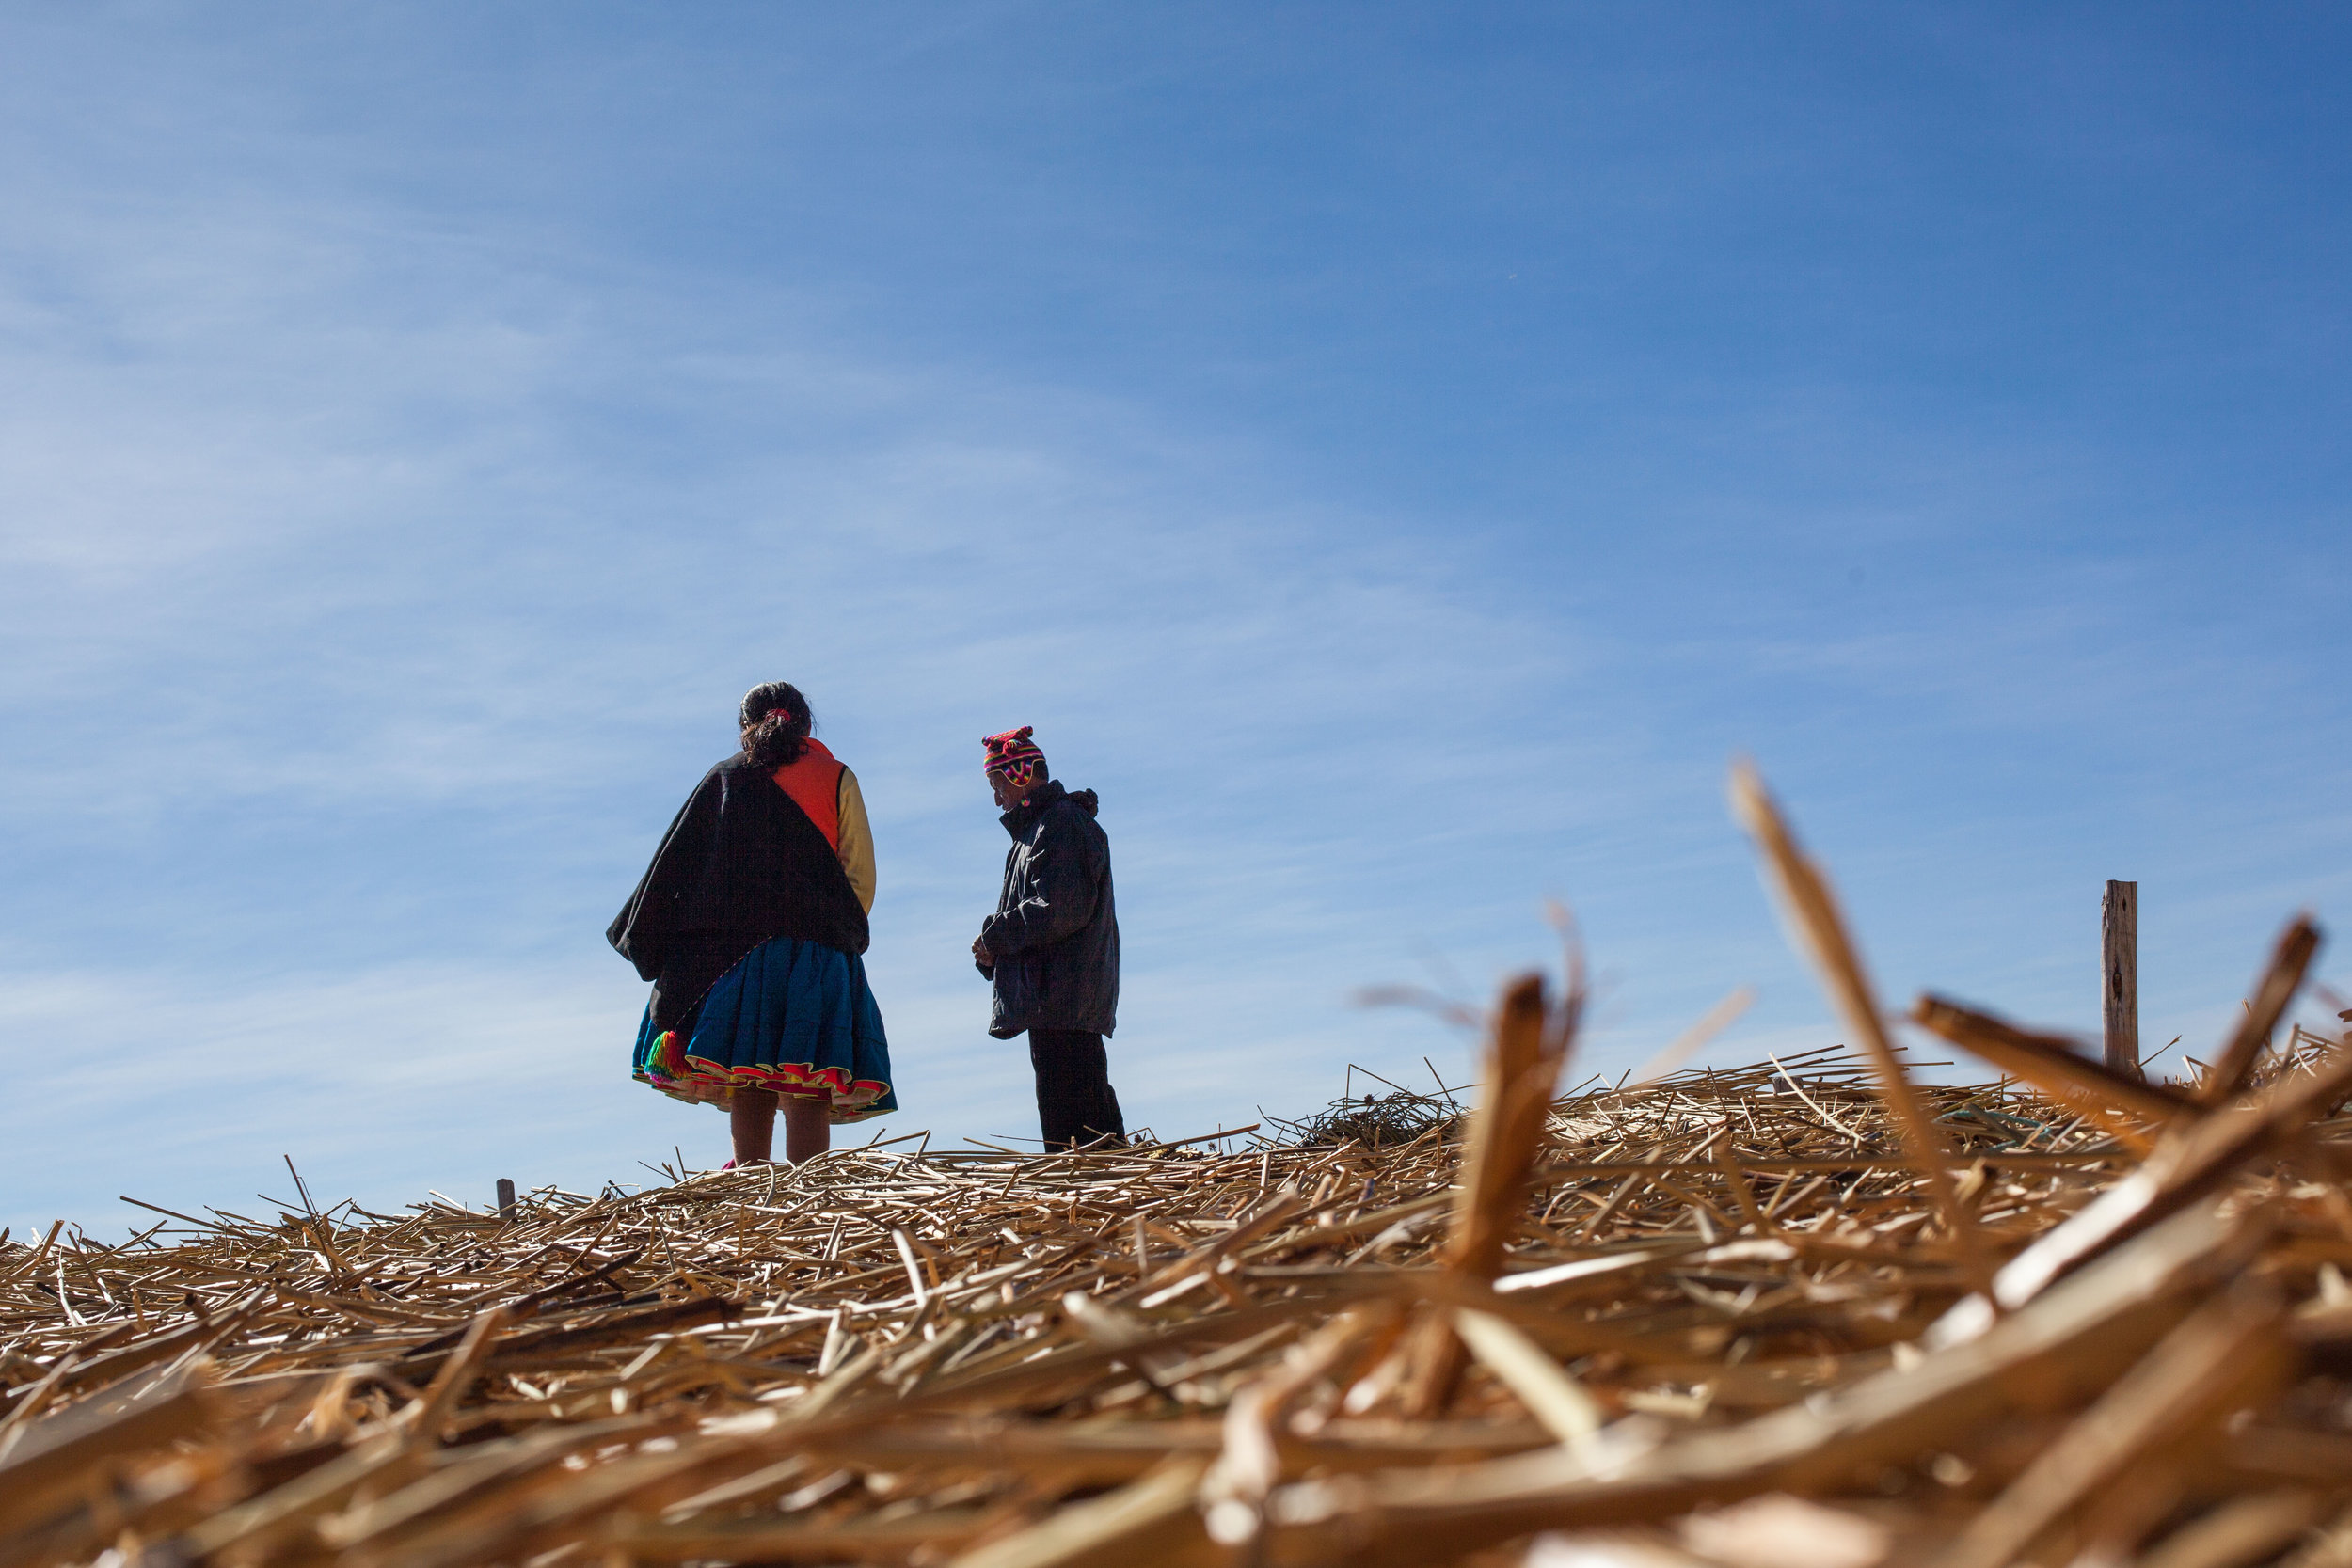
point(750, 923)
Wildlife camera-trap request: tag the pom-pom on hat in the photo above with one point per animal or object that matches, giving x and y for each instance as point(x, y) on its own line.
point(1012, 752)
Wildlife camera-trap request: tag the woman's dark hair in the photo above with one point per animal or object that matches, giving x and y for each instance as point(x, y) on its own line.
point(775, 720)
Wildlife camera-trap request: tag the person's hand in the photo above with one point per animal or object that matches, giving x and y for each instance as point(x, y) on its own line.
point(980, 955)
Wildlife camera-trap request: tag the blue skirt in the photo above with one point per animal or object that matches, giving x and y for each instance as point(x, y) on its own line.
point(791, 1016)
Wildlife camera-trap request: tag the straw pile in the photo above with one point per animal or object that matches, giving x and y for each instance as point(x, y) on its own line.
point(1813, 1314)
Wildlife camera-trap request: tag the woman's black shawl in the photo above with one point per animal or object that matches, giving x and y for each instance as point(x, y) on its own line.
point(741, 865)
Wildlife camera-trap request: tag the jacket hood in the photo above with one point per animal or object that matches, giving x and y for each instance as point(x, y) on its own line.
point(1049, 795)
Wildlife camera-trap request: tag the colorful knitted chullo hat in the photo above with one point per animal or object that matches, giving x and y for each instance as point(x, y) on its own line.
point(1014, 752)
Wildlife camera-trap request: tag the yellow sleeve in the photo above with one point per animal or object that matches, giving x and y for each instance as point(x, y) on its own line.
point(857, 841)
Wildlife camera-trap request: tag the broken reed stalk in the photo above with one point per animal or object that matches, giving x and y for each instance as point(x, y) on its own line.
point(2281, 979)
point(1529, 1045)
point(2050, 1064)
point(1811, 908)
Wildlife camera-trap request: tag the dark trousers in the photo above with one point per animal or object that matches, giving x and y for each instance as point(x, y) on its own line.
point(1075, 1102)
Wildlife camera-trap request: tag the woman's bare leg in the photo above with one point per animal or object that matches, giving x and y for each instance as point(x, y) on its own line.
point(752, 1117)
point(807, 1126)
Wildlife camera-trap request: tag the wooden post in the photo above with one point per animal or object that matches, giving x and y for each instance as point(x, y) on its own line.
point(2118, 970)
point(506, 1198)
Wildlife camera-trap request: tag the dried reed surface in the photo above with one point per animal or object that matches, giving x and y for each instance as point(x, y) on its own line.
point(1812, 1313)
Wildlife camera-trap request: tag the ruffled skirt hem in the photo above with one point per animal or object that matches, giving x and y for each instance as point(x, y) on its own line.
point(699, 1081)
point(791, 1016)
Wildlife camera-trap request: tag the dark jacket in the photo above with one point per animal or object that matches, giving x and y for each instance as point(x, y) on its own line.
point(1054, 935)
point(741, 863)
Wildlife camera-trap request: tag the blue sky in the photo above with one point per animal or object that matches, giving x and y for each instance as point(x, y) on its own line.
point(1396, 454)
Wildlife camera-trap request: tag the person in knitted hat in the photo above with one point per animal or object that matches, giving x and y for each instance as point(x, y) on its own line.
point(1051, 950)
